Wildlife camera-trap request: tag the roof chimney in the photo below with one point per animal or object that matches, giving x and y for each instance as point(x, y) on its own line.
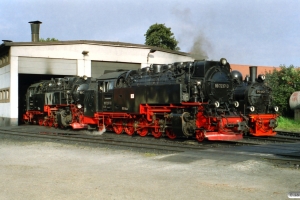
point(35, 31)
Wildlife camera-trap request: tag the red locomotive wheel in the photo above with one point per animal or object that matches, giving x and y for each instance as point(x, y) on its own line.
point(50, 123)
point(142, 131)
point(41, 122)
point(46, 123)
point(200, 135)
point(170, 133)
point(118, 127)
point(156, 134)
point(129, 129)
point(155, 131)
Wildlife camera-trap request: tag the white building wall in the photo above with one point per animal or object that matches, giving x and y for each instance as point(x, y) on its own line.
point(4, 83)
point(55, 66)
point(14, 82)
point(96, 52)
point(5, 107)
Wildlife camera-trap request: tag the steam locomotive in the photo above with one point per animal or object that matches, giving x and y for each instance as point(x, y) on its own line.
point(255, 99)
point(188, 99)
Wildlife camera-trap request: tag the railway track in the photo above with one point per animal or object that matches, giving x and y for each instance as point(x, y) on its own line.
point(112, 140)
point(140, 142)
point(291, 134)
point(275, 139)
point(268, 145)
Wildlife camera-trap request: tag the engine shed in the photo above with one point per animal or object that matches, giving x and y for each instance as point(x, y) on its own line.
point(24, 63)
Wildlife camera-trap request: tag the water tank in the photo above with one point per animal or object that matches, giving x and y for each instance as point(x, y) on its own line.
point(295, 100)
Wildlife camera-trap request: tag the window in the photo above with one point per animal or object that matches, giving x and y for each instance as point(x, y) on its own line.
point(4, 95)
point(4, 60)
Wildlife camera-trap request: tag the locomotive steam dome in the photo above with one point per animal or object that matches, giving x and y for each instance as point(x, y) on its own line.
point(237, 76)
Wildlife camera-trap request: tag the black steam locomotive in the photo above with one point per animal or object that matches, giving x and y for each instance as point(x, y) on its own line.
point(255, 99)
point(189, 99)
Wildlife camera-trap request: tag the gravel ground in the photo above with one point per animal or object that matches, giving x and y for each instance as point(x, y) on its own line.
point(56, 170)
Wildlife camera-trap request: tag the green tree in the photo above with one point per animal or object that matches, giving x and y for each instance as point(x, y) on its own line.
point(160, 36)
point(48, 40)
point(284, 82)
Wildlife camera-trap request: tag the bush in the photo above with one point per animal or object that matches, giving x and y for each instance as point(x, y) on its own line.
point(283, 81)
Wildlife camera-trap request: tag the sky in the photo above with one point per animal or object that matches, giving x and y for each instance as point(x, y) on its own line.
point(248, 32)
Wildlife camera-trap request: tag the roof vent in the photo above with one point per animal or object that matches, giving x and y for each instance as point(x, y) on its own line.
point(35, 31)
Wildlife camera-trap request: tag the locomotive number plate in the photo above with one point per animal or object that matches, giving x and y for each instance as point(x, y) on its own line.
point(221, 85)
point(260, 91)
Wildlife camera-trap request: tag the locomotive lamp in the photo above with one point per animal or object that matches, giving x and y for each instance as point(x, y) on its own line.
point(251, 108)
point(276, 108)
point(261, 77)
point(85, 77)
point(223, 61)
point(215, 104)
point(236, 104)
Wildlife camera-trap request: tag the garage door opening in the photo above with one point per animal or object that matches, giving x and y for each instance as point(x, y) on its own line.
point(25, 80)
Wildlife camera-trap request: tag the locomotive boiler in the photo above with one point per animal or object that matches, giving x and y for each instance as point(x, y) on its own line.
point(189, 99)
point(255, 99)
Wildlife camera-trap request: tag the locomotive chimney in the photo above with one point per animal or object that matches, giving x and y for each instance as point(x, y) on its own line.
point(35, 31)
point(253, 73)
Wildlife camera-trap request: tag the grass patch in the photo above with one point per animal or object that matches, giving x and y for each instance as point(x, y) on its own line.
point(288, 124)
point(149, 154)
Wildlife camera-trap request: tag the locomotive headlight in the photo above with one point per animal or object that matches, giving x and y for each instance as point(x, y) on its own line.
point(217, 104)
point(223, 61)
point(85, 77)
point(79, 106)
point(50, 84)
point(59, 83)
point(251, 108)
point(276, 108)
point(261, 77)
point(236, 104)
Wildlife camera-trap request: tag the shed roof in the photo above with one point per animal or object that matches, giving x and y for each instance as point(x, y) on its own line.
point(92, 42)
